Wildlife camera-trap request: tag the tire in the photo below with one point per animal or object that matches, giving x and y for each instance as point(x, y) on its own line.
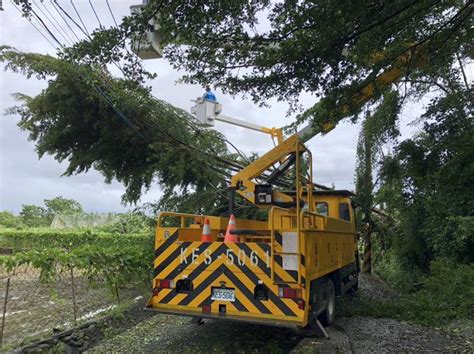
point(328, 315)
point(355, 287)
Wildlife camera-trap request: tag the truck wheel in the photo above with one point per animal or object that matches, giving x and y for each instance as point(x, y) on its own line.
point(328, 315)
point(355, 287)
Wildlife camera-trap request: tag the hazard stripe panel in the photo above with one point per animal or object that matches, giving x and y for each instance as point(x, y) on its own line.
point(282, 275)
point(238, 266)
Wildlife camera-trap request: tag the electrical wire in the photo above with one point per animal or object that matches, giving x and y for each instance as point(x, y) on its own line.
point(82, 29)
point(154, 125)
point(97, 87)
point(36, 28)
point(148, 122)
point(111, 13)
point(46, 27)
point(95, 13)
point(59, 29)
point(71, 41)
point(85, 31)
point(64, 20)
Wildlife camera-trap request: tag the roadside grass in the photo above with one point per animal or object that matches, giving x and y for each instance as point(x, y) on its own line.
point(446, 295)
point(403, 308)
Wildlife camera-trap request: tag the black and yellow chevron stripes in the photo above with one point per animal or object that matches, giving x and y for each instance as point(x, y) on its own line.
point(282, 275)
point(209, 265)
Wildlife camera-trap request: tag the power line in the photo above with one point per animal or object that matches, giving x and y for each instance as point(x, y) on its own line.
point(147, 121)
point(59, 29)
point(97, 87)
point(46, 27)
point(95, 13)
point(84, 30)
point(64, 20)
point(111, 13)
point(36, 28)
point(59, 24)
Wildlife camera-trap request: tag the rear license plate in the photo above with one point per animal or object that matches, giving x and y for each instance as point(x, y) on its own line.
point(220, 294)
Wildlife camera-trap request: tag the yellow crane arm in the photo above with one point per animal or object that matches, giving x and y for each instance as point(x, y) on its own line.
point(244, 181)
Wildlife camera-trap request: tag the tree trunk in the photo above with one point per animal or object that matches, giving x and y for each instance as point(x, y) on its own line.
point(367, 258)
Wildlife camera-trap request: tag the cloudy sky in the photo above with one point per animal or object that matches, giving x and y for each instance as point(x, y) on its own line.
point(24, 179)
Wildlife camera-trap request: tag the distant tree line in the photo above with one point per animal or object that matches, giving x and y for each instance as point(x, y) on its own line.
point(40, 216)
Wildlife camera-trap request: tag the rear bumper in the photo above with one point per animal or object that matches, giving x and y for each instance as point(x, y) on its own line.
point(272, 320)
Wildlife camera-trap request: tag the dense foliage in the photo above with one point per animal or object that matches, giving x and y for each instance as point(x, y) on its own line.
point(136, 140)
point(42, 238)
point(428, 184)
point(447, 295)
point(118, 259)
point(266, 49)
point(8, 219)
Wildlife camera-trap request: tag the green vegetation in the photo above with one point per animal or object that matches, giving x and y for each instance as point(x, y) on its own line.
point(39, 239)
point(120, 253)
point(38, 216)
point(447, 295)
point(118, 258)
point(8, 219)
point(137, 141)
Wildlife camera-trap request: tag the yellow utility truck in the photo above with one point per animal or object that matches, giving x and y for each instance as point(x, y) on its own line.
point(286, 270)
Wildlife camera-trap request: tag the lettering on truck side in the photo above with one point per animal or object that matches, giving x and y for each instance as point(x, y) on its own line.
point(241, 258)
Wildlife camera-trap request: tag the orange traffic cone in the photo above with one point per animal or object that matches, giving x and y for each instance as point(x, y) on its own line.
point(206, 231)
point(228, 236)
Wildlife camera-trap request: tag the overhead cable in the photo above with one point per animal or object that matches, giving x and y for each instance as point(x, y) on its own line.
point(60, 32)
point(95, 13)
point(111, 13)
point(58, 22)
point(64, 20)
point(36, 28)
point(46, 27)
point(147, 121)
point(84, 30)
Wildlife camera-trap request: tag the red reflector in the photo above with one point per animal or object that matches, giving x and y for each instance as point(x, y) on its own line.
point(290, 293)
point(301, 304)
point(164, 283)
point(156, 291)
point(206, 308)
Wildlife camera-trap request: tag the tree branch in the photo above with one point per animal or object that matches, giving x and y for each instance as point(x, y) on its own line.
point(445, 90)
point(463, 72)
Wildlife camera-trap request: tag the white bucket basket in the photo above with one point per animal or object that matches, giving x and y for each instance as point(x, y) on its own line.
point(206, 111)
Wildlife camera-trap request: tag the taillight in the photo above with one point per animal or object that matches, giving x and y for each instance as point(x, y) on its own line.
point(164, 283)
point(290, 293)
